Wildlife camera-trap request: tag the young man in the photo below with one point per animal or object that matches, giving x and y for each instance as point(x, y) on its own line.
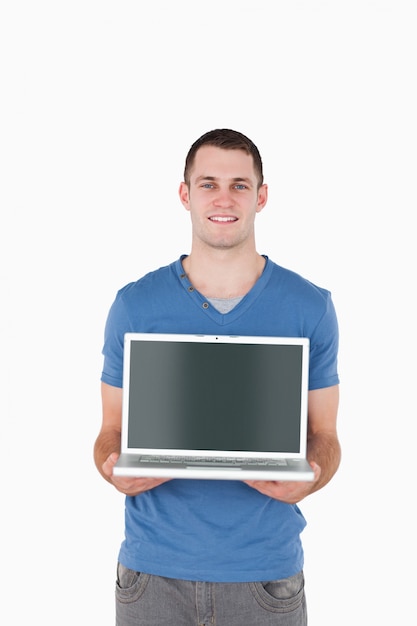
point(219, 552)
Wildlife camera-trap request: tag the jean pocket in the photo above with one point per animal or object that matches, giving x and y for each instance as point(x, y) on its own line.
point(280, 596)
point(130, 585)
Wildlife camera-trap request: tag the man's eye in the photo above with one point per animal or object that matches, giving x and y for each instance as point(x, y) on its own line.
point(240, 186)
point(207, 186)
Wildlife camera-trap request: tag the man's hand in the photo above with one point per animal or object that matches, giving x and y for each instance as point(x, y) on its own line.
point(290, 492)
point(127, 485)
point(322, 446)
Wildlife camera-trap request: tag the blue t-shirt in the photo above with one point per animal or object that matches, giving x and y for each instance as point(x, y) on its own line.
point(209, 530)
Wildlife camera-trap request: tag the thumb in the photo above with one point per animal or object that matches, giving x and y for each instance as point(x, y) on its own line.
point(109, 463)
point(113, 458)
point(317, 470)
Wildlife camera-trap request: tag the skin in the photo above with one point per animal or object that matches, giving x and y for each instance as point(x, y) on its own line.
point(223, 198)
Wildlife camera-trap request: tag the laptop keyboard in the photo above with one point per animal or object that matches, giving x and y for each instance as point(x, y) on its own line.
point(221, 460)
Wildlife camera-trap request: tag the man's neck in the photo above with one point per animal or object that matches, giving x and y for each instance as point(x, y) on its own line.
point(223, 275)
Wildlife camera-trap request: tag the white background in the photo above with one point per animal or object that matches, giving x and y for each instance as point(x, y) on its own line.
point(100, 101)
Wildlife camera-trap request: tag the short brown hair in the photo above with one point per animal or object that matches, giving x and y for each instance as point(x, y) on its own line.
point(227, 140)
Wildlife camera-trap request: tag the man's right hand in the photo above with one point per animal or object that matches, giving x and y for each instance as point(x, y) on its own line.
point(126, 484)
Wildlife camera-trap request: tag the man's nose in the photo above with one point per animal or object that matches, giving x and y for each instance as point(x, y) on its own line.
point(223, 198)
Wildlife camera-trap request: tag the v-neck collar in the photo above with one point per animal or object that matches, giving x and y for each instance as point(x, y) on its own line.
point(204, 305)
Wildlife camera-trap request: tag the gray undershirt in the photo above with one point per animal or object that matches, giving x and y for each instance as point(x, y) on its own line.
point(224, 305)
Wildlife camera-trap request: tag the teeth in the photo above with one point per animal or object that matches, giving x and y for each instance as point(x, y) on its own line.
point(223, 219)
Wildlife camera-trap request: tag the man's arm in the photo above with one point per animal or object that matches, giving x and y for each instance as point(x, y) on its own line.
point(107, 445)
point(323, 449)
point(108, 440)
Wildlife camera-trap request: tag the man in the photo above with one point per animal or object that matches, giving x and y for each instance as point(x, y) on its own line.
point(219, 552)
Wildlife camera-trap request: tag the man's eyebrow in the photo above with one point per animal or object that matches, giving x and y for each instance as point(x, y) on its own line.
point(199, 178)
point(235, 179)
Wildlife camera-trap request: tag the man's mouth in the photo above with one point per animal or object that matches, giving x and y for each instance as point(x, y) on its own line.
point(219, 218)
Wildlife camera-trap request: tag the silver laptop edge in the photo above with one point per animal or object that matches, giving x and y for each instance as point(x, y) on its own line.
point(195, 471)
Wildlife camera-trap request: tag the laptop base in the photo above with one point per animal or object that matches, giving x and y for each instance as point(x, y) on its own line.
point(291, 470)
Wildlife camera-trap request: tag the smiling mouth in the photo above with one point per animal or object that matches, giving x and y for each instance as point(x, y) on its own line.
point(218, 218)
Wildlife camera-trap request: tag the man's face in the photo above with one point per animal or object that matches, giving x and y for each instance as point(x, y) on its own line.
point(223, 197)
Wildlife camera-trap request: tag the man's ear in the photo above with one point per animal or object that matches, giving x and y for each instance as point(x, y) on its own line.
point(262, 197)
point(184, 195)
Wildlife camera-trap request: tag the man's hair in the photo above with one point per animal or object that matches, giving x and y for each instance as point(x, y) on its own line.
point(227, 140)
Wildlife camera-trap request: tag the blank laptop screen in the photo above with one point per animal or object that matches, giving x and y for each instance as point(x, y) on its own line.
point(215, 396)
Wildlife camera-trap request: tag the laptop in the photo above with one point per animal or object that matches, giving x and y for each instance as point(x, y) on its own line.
point(214, 407)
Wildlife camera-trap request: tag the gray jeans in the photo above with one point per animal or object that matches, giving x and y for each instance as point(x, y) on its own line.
point(145, 600)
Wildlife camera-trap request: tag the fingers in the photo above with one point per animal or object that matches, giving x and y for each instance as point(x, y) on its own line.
point(290, 492)
point(136, 486)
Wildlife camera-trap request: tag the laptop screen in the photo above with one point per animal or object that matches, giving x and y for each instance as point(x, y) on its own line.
point(208, 395)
